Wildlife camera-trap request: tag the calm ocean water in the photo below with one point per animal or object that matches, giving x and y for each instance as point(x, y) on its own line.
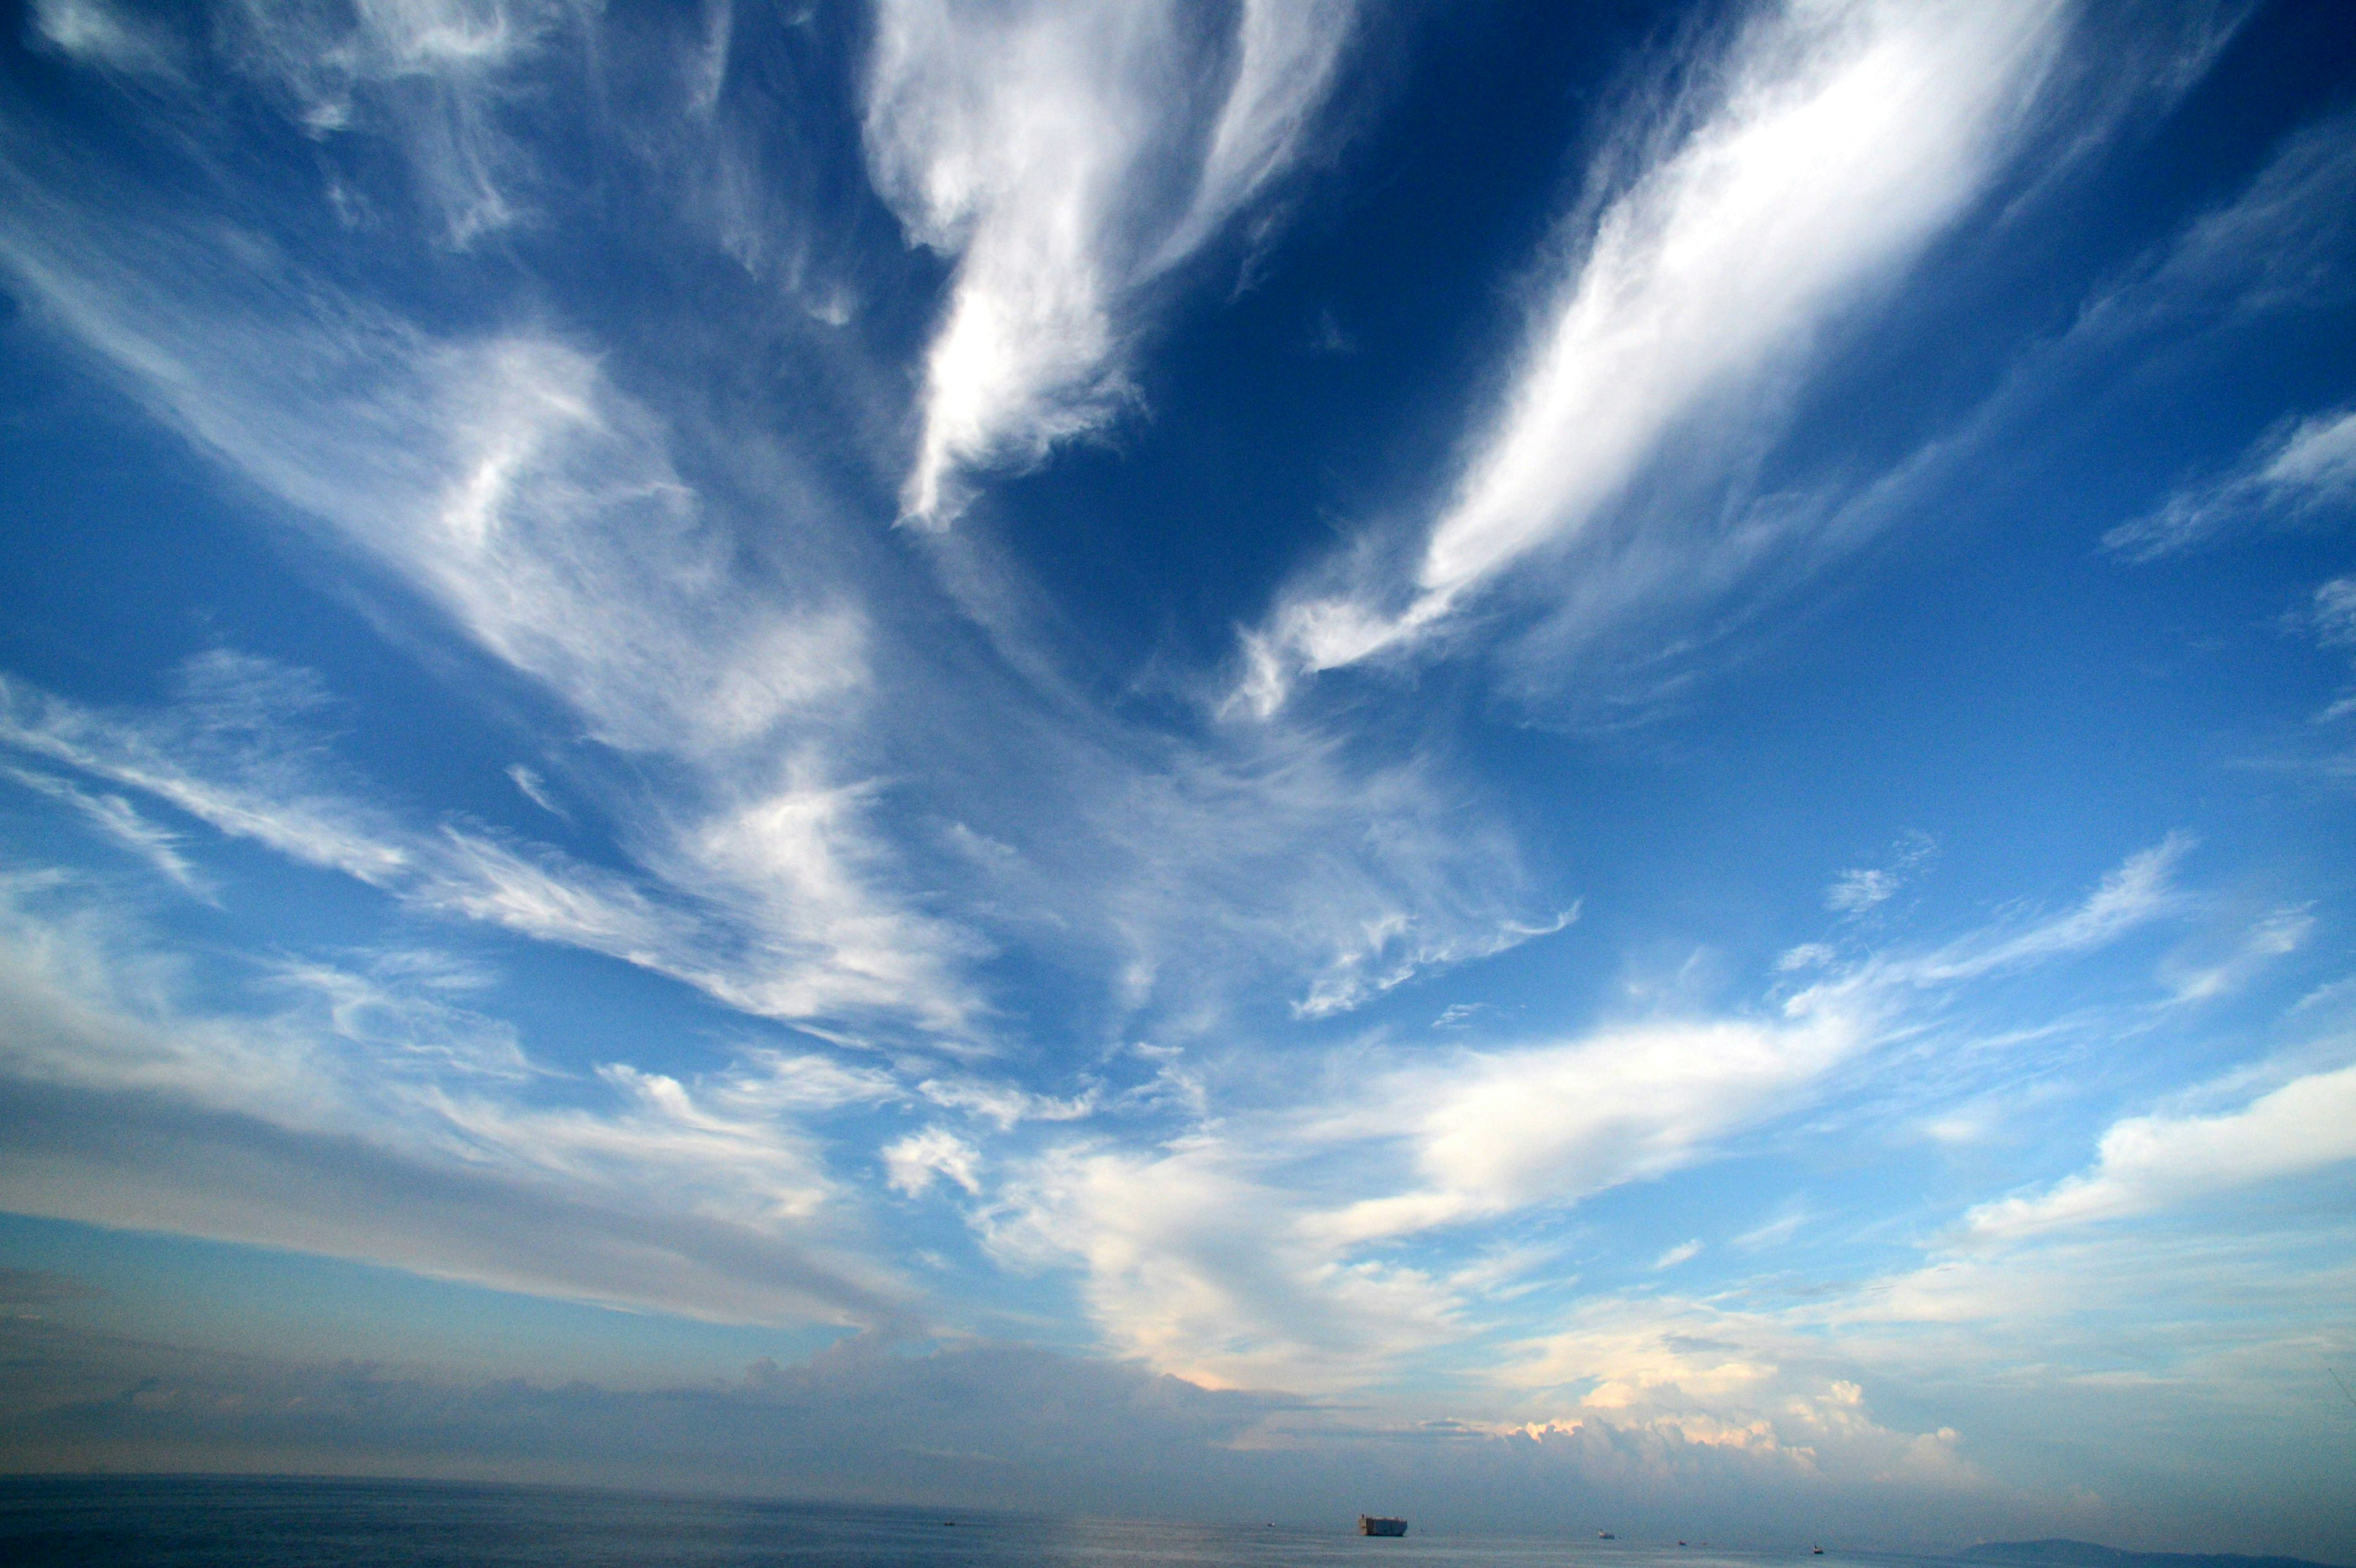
point(185, 1522)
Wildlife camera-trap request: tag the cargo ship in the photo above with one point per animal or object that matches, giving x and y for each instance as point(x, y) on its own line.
point(1370, 1525)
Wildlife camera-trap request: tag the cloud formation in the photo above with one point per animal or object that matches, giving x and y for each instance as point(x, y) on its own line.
point(1828, 148)
point(1287, 1247)
point(2302, 467)
point(371, 1113)
point(628, 870)
point(1066, 157)
point(2158, 1161)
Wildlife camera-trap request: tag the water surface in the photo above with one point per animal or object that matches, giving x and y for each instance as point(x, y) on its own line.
point(236, 1522)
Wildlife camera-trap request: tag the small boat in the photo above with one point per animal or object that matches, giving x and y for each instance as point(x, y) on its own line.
point(1815, 1552)
point(1372, 1525)
point(1605, 1535)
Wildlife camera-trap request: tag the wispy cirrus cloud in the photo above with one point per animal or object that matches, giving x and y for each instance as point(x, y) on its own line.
point(1278, 1247)
point(1067, 156)
point(2300, 468)
point(1267, 1251)
point(508, 481)
point(914, 1163)
point(101, 34)
point(771, 918)
point(219, 755)
point(1828, 147)
point(2158, 1161)
point(502, 478)
point(2141, 889)
point(1862, 889)
point(258, 1126)
point(120, 821)
point(436, 74)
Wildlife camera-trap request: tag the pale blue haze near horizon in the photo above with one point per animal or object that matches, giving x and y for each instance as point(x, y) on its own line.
point(1203, 759)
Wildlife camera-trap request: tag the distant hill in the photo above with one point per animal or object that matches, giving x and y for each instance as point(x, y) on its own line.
point(2086, 1554)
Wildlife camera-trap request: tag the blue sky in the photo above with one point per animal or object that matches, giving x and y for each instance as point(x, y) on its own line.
point(1589, 763)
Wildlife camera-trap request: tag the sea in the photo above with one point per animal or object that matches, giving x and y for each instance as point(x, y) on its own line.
point(240, 1522)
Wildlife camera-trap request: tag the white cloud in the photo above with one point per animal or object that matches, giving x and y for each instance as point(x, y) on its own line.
point(97, 33)
point(1261, 1253)
point(540, 893)
point(1856, 891)
point(1006, 1103)
point(1193, 1264)
point(503, 477)
point(1826, 151)
point(430, 1115)
point(506, 477)
point(1730, 1382)
point(766, 908)
point(506, 481)
point(435, 74)
point(2296, 469)
point(2332, 613)
point(2140, 891)
point(1059, 153)
point(402, 1010)
point(1389, 951)
point(1490, 1132)
point(1285, 54)
point(2275, 935)
point(534, 789)
point(1279, 1247)
point(1346, 1188)
point(1859, 890)
point(119, 820)
point(912, 1164)
point(2153, 1162)
point(1279, 859)
point(797, 872)
point(213, 757)
point(1684, 1251)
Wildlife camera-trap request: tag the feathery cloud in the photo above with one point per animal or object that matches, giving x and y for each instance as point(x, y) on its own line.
point(2299, 468)
point(2156, 1161)
point(1828, 149)
point(1066, 156)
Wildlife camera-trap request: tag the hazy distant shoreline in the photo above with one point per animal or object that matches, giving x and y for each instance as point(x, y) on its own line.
point(2086, 1554)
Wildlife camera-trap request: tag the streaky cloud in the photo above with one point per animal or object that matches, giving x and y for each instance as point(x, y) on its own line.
point(2156, 1161)
point(764, 909)
point(435, 73)
point(119, 820)
point(127, 1106)
point(503, 478)
point(98, 33)
point(1828, 149)
point(1067, 156)
point(2301, 468)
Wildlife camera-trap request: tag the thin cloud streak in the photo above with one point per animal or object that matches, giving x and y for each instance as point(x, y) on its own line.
point(1062, 155)
point(1833, 143)
point(2301, 467)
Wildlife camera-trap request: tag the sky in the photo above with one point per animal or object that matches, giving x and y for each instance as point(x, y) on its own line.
point(1556, 767)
